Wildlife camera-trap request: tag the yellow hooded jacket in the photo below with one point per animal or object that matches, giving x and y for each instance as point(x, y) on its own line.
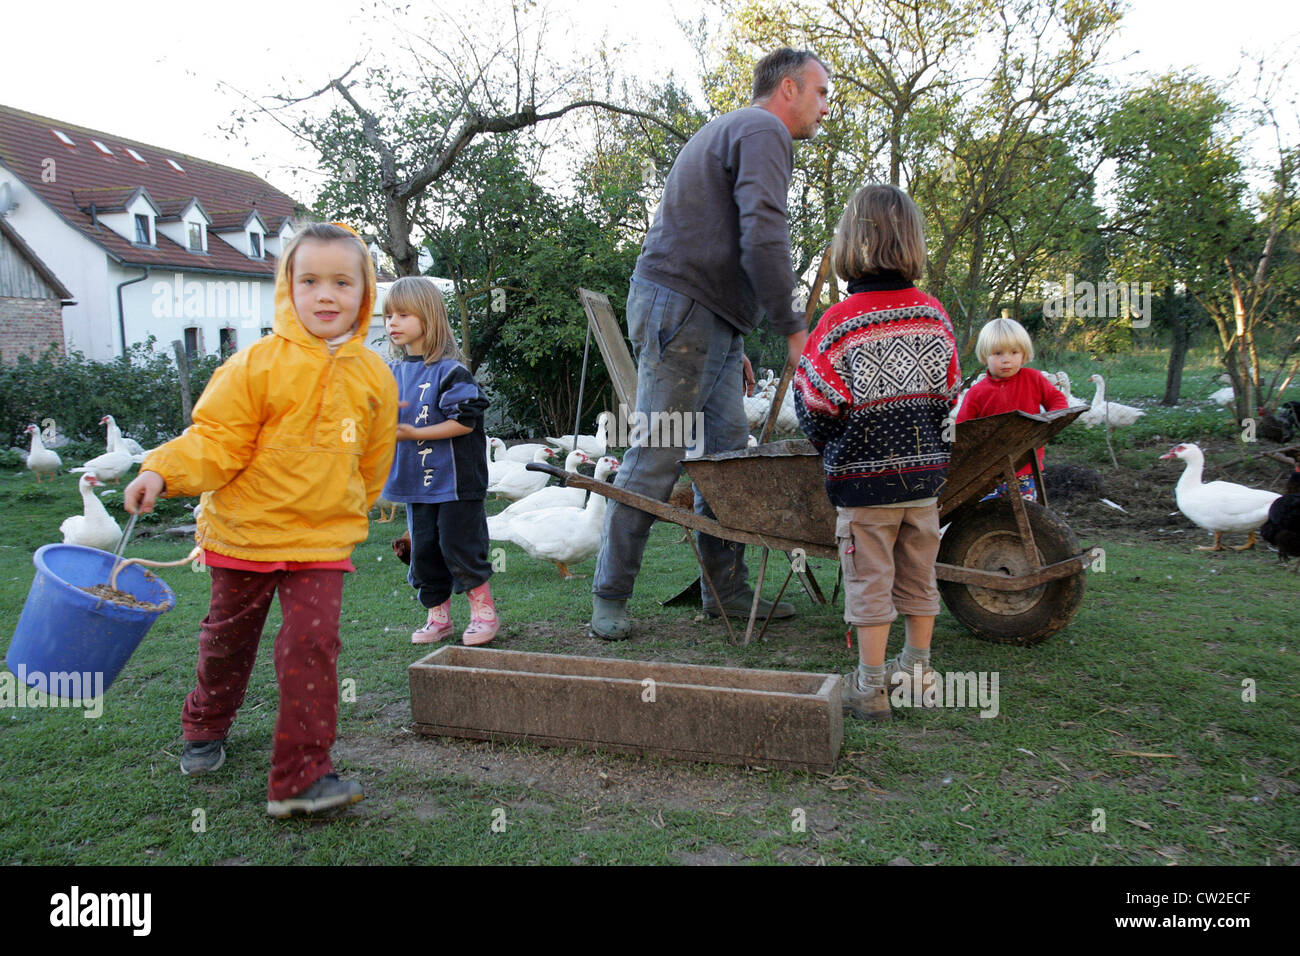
point(292, 443)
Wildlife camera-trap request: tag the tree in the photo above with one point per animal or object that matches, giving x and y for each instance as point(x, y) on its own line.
point(1176, 166)
point(959, 102)
point(394, 134)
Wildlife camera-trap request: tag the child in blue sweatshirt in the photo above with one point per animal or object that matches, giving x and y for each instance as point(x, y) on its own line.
point(440, 469)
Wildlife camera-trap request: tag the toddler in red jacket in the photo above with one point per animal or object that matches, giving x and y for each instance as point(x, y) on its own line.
point(1004, 347)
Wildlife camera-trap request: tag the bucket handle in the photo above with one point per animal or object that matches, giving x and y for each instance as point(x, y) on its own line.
point(112, 579)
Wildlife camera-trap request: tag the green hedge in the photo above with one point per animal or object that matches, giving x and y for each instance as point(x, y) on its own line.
point(141, 391)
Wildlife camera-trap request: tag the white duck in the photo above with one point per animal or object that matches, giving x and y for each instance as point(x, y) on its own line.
point(592, 445)
point(500, 470)
point(522, 453)
point(496, 449)
point(1061, 382)
point(40, 459)
point(50, 434)
point(564, 536)
point(383, 504)
point(554, 496)
point(1223, 396)
point(520, 483)
point(94, 527)
point(110, 466)
point(1102, 410)
point(133, 447)
point(1220, 505)
point(758, 404)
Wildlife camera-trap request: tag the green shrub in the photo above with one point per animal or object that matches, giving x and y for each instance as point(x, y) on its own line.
point(141, 391)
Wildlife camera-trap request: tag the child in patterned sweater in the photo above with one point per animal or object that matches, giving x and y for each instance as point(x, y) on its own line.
point(874, 386)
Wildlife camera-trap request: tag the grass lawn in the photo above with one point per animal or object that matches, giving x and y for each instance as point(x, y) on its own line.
point(1160, 727)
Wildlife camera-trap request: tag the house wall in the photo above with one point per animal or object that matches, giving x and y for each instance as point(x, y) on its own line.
point(29, 326)
point(169, 302)
point(78, 263)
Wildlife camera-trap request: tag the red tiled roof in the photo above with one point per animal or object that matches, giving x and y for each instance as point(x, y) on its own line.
point(228, 220)
point(82, 174)
point(105, 199)
point(171, 209)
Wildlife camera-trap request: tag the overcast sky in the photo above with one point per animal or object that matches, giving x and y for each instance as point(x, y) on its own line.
point(153, 71)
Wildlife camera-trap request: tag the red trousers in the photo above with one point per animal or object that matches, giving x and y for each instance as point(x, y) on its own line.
point(306, 662)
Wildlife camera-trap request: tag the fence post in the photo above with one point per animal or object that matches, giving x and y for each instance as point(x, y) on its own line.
point(183, 366)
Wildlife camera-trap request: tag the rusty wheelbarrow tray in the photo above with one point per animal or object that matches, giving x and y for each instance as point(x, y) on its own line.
point(1009, 569)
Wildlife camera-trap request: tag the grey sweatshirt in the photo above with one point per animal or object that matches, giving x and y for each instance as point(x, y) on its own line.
point(721, 235)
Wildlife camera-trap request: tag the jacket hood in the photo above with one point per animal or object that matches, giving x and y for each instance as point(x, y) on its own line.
point(287, 324)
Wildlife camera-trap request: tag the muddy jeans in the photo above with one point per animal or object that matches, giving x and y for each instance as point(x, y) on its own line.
point(688, 361)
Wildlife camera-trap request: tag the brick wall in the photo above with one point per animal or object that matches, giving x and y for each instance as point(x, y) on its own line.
point(30, 326)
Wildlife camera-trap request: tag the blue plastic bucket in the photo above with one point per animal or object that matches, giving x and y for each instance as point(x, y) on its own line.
point(64, 630)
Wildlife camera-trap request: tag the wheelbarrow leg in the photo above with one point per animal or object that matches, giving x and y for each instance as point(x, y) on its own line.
point(704, 576)
point(758, 594)
point(1022, 519)
point(788, 575)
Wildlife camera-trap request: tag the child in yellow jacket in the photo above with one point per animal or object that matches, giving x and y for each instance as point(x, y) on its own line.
point(291, 444)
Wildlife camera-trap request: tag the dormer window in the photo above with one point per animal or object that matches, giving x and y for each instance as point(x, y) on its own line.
point(63, 138)
point(134, 155)
point(175, 165)
point(196, 237)
point(255, 244)
point(142, 232)
point(104, 150)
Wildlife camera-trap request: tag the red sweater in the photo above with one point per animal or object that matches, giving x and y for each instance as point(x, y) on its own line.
point(1028, 390)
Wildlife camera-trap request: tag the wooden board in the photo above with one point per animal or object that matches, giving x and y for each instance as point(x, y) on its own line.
point(613, 346)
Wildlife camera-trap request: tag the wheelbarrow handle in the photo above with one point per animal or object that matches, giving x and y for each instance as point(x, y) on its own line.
point(556, 471)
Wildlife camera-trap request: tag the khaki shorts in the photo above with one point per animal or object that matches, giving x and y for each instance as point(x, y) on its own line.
point(888, 557)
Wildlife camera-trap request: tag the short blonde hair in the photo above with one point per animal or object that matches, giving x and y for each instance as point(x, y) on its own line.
point(1003, 335)
point(419, 297)
point(881, 229)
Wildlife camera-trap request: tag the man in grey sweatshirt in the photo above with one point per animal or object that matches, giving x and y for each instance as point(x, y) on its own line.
point(716, 259)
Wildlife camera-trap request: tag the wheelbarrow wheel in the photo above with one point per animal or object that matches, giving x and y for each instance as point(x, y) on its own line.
point(985, 538)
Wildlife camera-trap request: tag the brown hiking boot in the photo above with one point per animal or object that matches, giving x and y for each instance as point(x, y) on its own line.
point(913, 690)
point(869, 704)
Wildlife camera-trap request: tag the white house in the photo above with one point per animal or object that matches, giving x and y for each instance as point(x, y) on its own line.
point(148, 241)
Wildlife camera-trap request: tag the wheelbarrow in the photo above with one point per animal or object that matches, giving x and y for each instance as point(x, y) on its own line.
point(1009, 569)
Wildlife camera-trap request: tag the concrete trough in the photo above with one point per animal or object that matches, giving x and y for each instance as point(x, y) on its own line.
point(684, 711)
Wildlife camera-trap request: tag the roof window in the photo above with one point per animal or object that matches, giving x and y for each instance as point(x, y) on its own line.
point(63, 138)
point(175, 165)
point(102, 148)
point(134, 155)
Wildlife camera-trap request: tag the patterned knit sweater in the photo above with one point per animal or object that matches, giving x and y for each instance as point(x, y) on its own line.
point(877, 379)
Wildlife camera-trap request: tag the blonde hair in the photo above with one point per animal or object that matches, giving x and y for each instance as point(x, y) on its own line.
point(1003, 335)
point(419, 297)
point(880, 229)
point(329, 232)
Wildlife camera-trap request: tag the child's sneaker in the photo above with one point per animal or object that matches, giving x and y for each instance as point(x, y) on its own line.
point(483, 623)
point(869, 704)
point(202, 756)
point(897, 676)
point(437, 627)
point(327, 793)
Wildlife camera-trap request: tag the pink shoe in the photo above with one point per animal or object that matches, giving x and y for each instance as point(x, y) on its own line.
point(483, 623)
point(437, 627)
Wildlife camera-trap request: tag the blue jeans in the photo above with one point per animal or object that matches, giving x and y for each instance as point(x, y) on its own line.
point(688, 361)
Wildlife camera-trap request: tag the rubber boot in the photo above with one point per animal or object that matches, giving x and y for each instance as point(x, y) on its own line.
point(609, 620)
point(483, 622)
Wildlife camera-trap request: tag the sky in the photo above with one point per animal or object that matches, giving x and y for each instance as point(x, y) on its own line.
point(169, 74)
